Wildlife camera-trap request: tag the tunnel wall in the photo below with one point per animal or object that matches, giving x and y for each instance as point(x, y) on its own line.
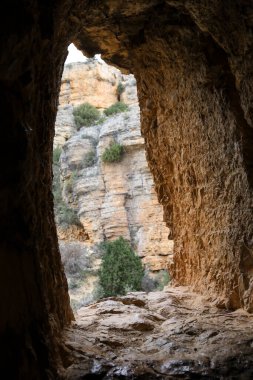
point(196, 118)
point(33, 289)
point(194, 77)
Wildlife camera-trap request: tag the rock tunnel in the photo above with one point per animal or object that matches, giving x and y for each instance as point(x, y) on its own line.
point(193, 65)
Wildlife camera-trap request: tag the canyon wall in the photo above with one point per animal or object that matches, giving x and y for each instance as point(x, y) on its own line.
point(116, 199)
point(92, 82)
point(112, 199)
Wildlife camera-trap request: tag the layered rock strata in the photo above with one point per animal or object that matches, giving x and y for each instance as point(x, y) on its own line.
point(92, 82)
point(116, 199)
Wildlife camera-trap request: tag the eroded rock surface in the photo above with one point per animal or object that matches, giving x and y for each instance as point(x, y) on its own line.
point(160, 335)
point(92, 82)
point(95, 82)
point(194, 78)
point(116, 199)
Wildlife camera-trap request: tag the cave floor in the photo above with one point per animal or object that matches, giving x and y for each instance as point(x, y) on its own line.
point(172, 334)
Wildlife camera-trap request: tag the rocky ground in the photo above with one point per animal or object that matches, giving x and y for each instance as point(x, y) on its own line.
point(174, 334)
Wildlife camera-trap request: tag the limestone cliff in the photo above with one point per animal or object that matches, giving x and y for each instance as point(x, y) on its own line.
point(116, 199)
point(93, 82)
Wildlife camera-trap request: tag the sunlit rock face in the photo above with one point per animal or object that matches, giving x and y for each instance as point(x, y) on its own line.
point(112, 199)
point(95, 82)
point(193, 65)
point(91, 82)
point(116, 199)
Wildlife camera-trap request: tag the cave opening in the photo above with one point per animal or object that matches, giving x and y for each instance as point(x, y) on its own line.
point(192, 62)
point(103, 189)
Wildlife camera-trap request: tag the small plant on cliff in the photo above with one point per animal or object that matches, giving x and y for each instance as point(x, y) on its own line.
point(116, 108)
point(67, 216)
point(120, 89)
point(153, 281)
point(64, 215)
point(121, 269)
point(113, 153)
point(86, 115)
point(89, 159)
point(163, 278)
point(56, 155)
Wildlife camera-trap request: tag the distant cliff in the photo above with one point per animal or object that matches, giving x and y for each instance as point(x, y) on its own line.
point(112, 199)
point(93, 82)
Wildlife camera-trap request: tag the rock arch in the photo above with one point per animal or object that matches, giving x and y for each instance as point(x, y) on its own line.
point(192, 63)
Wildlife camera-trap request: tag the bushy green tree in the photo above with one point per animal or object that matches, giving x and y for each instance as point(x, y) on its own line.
point(86, 115)
point(113, 153)
point(116, 108)
point(121, 269)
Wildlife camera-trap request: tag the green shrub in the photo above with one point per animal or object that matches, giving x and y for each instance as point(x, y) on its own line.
point(56, 155)
point(86, 115)
point(121, 269)
point(116, 108)
point(155, 281)
point(113, 153)
point(64, 215)
point(67, 216)
point(120, 89)
point(89, 159)
point(162, 278)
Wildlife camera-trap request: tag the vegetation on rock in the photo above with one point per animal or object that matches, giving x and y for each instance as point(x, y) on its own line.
point(64, 215)
point(116, 108)
point(120, 89)
point(155, 281)
point(86, 115)
point(56, 155)
point(89, 159)
point(121, 269)
point(113, 153)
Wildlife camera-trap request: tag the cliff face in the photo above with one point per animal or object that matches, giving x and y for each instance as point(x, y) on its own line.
point(116, 199)
point(93, 82)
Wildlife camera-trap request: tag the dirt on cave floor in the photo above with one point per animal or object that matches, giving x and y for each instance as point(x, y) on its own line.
point(171, 334)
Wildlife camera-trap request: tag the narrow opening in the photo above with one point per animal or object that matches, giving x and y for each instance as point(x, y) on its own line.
point(105, 201)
